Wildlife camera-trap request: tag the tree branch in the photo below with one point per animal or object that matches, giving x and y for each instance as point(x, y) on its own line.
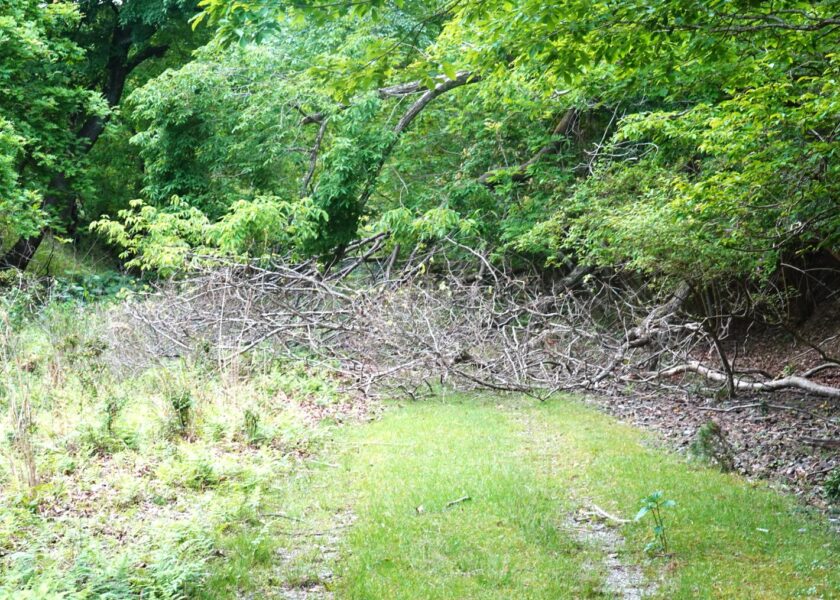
point(792, 382)
point(461, 79)
point(313, 157)
point(563, 128)
point(144, 55)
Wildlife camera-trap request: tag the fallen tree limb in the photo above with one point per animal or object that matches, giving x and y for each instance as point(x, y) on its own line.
point(643, 334)
point(377, 322)
point(792, 382)
point(820, 369)
point(460, 500)
point(730, 409)
point(829, 443)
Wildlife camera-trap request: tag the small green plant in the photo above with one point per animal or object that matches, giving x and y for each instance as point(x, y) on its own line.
point(20, 435)
point(251, 427)
point(653, 505)
point(179, 400)
point(832, 486)
point(96, 441)
point(711, 446)
point(111, 408)
point(201, 475)
point(182, 405)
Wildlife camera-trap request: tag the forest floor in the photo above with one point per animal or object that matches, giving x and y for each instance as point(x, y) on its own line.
point(766, 437)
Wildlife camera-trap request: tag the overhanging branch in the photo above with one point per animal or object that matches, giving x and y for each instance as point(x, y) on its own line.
point(144, 55)
point(461, 79)
point(519, 173)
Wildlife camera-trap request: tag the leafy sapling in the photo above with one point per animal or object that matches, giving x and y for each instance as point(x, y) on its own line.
point(653, 505)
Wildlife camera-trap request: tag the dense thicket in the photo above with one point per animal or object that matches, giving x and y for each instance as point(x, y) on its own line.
point(679, 139)
point(65, 67)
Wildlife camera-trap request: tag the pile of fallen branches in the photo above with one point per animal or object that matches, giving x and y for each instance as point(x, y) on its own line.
point(431, 319)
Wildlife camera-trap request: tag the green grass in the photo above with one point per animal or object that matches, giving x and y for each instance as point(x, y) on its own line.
point(730, 538)
point(526, 466)
point(56, 259)
point(507, 541)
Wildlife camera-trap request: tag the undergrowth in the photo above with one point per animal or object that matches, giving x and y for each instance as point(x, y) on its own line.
point(147, 481)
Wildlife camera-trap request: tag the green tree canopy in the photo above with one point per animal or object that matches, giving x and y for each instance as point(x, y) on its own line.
point(677, 138)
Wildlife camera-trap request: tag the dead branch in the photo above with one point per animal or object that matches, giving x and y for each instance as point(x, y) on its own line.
point(313, 157)
point(460, 500)
point(597, 510)
point(829, 443)
point(445, 313)
point(792, 382)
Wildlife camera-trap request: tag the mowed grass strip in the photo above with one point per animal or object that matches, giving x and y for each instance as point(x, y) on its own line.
point(507, 541)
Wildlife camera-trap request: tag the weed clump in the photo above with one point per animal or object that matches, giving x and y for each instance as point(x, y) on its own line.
point(711, 446)
point(831, 487)
point(201, 475)
point(181, 402)
point(180, 405)
point(251, 427)
point(97, 441)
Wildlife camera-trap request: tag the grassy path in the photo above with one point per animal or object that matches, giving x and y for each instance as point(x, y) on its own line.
point(504, 542)
point(383, 515)
point(526, 469)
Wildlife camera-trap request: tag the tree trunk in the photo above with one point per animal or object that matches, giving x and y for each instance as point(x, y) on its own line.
point(20, 255)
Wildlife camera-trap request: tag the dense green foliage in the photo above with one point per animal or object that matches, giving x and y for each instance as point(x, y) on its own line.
point(676, 138)
point(65, 67)
point(703, 139)
point(38, 61)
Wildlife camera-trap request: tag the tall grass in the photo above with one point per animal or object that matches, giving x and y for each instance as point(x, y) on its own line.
point(19, 406)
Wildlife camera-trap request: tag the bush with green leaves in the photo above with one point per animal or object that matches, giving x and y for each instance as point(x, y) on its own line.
point(181, 403)
point(200, 474)
point(179, 399)
point(97, 442)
